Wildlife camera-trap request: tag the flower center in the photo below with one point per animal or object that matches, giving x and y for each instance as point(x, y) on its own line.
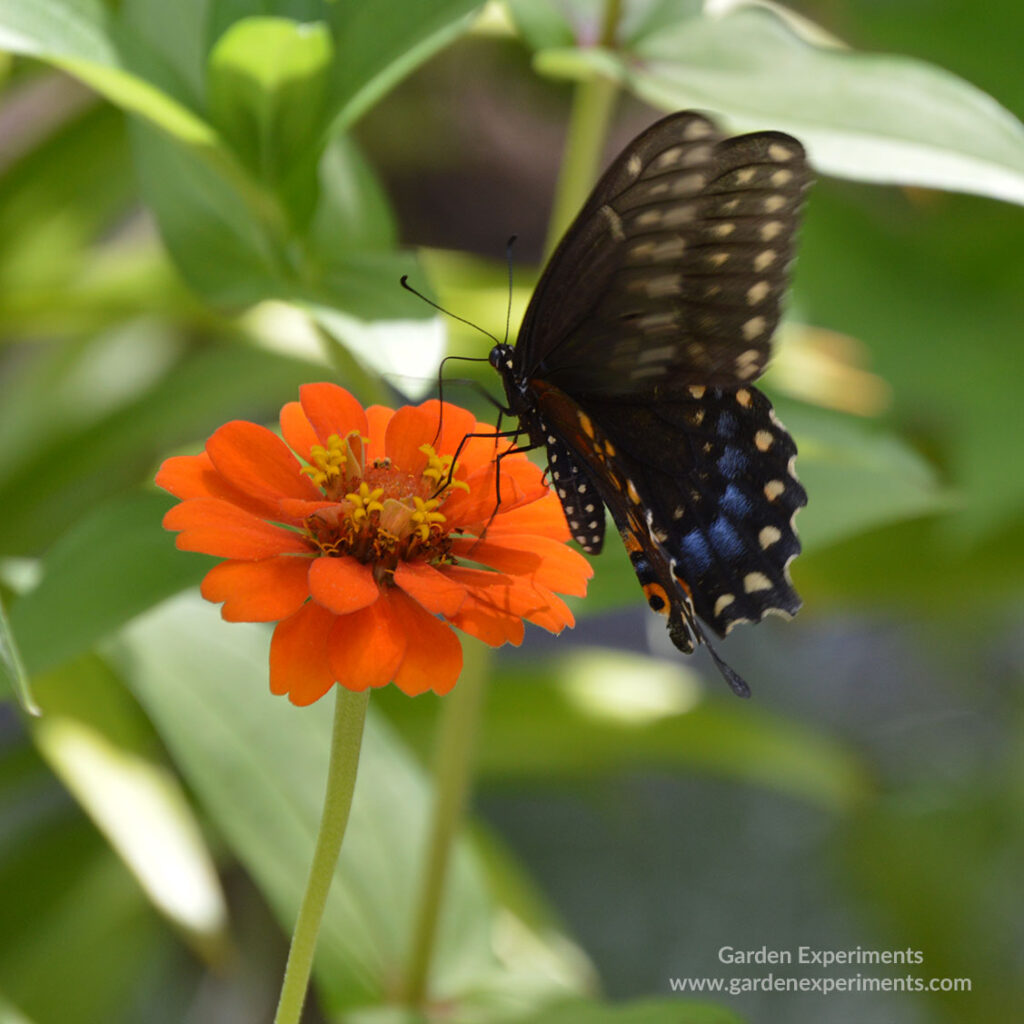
point(382, 515)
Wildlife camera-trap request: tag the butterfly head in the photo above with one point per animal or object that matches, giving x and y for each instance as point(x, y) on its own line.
point(502, 358)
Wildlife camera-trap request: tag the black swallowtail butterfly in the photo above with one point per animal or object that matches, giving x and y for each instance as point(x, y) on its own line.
point(634, 364)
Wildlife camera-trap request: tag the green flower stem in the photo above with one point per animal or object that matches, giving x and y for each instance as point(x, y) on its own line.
point(456, 745)
point(346, 740)
point(584, 145)
point(592, 105)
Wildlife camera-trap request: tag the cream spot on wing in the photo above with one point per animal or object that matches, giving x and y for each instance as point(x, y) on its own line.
point(634, 166)
point(755, 581)
point(763, 440)
point(758, 292)
point(779, 152)
point(768, 536)
point(658, 287)
point(782, 177)
point(754, 327)
point(745, 175)
point(614, 223)
point(657, 355)
point(744, 398)
point(723, 230)
point(681, 214)
point(697, 390)
point(718, 259)
point(670, 249)
point(771, 230)
point(763, 260)
point(723, 602)
point(774, 489)
point(697, 155)
point(648, 218)
point(772, 204)
point(669, 158)
point(697, 129)
point(654, 322)
point(688, 184)
point(641, 251)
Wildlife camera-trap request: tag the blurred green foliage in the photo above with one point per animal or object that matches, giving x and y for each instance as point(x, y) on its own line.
point(205, 204)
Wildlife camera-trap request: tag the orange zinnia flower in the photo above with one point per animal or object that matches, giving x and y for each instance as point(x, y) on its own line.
point(356, 551)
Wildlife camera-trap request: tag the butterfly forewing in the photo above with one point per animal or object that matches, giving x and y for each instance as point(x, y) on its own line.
point(687, 262)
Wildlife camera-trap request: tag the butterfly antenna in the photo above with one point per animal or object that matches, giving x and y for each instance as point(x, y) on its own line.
point(508, 259)
point(404, 281)
point(447, 312)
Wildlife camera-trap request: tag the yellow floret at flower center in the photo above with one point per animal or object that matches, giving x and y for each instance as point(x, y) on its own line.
point(327, 465)
point(383, 515)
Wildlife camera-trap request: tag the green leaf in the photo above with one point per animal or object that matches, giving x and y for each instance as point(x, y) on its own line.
point(63, 881)
point(95, 740)
point(267, 86)
point(115, 563)
point(637, 712)
point(380, 43)
point(82, 38)
point(10, 1014)
point(858, 476)
point(225, 253)
point(13, 665)
point(99, 459)
point(258, 765)
point(542, 24)
point(649, 1011)
point(938, 865)
point(869, 117)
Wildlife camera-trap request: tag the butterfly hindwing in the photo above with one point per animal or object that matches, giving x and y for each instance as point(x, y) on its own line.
point(722, 502)
point(710, 479)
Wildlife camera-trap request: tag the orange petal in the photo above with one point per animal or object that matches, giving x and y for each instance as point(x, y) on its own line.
point(437, 592)
point(545, 561)
point(299, 664)
point(514, 595)
point(298, 509)
point(259, 462)
point(482, 615)
point(366, 647)
point(455, 424)
point(331, 410)
point(189, 476)
point(409, 428)
point(217, 527)
point(377, 419)
point(264, 591)
point(542, 518)
point(297, 429)
point(479, 451)
point(342, 584)
point(194, 476)
point(520, 484)
point(433, 657)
